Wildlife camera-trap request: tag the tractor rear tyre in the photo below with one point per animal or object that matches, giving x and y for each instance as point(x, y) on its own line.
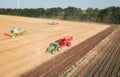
point(59, 49)
point(69, 44)
point(53, 52)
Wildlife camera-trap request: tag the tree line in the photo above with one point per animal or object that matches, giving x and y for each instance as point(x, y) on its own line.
point(109, 15)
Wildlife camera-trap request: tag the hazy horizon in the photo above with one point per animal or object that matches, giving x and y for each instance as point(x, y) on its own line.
point(83, 4)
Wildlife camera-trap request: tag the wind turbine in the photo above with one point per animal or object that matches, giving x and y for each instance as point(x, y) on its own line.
point(18, 4)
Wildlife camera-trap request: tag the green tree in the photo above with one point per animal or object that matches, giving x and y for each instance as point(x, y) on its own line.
point(110, 15)
point(72, 13)
point(54, 13)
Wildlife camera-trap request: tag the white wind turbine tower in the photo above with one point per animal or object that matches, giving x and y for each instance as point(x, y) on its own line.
point(18, 4)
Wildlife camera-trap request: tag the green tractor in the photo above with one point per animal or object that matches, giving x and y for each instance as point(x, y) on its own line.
point(53, 47)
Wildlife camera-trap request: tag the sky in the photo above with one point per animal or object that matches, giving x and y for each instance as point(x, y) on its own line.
point(83, 4)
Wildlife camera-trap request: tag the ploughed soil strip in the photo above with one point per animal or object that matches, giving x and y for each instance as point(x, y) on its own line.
point(59, 64)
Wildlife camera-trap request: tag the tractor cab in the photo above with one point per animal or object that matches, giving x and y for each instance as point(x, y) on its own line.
point(14, 30)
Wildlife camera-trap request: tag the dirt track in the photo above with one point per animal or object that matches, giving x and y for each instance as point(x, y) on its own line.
point(59, 64)
point(27, 51)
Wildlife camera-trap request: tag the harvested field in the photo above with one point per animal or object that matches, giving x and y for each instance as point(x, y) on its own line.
point(58, 65)
point(27, 51)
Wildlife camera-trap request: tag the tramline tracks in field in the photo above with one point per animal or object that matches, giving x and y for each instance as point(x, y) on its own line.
point(115, 72)
point(109, 68)
point(104, 67)
point(99, 48)
point(97, 71)
point(90, 71)
point(88, 66)
point(110, 64)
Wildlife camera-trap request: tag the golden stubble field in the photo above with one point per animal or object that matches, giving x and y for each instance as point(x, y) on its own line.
point(27, 51)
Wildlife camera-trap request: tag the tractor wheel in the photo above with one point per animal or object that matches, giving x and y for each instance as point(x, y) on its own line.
point(21, 33)
point(13, 36)
point(12, 31)
point(59, 49)
point(16, 34)
point(69, 44)
point(53, 52)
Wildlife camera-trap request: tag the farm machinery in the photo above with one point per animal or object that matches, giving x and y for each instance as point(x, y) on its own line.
point(52, 23)
point(17, 31)
point(58, 44)
point(14, 32)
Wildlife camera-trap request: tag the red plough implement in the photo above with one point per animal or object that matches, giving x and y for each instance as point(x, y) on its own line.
point(8, 35)
point(65, 41)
